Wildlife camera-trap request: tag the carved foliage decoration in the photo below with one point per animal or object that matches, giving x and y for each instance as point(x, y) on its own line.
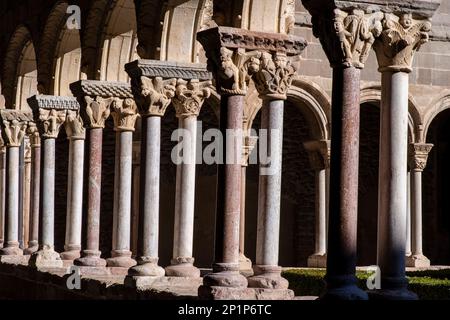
point(33, 135)
point(418, 155)
point(402, 36)
point(124, 112)
point(274, 76)
point(74, 125)
point(157, 94)
point(347, 37)
point(50, 122)
point(97, 111)
point(14, 132)
point(190, 96)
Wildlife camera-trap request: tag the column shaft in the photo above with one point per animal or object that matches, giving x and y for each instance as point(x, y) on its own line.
point(321, 213)
point(416, 217)
point(2, 194)
point(47, 221)
point(34, 199)
point(393, 180)
point(408, 215)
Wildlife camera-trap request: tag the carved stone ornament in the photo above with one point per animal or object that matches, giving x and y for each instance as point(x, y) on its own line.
point(247, 148)
point(402, 36)
point(14, 125)
point(156, 95)
point(33, 135)
point(418, 155)
point(190, 96)
point(124, 112)
point(347, 36)
point(74, 125)
point(97, 111)
point(275, 76)
point(50, 122)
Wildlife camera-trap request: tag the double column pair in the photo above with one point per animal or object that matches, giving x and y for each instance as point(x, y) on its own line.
point(347, 35)
point(263, 57)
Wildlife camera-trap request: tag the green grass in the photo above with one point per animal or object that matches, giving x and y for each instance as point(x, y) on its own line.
point(428, 285)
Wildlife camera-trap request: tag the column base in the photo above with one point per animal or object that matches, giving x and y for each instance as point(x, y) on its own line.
point(343, 288)
point(393, 289)
point(11, 250)
point(417, 261)
point(225, 293)
point(30, 250)
point(45, 258)
point(182, 267)
point(15, 259)
point(267, 277)
point(70, 255)
point(225, 275)
point(90, 258)
point(245, 265)
point(146, 267)
point(121, 259)
point(317, 261)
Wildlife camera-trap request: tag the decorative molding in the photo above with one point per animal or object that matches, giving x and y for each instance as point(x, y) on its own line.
point(167, 70)
point(155, 95)
point(53, 102)
point(319, 153)
point(124, 112)
point(402, 36)
point(190, 96)
point(74, 125)
point(418, 155)
point(104, 89)
point(14, 125)
point(234, 54)
point(275, 76)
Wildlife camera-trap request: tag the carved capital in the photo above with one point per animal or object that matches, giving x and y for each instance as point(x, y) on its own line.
point(27, 152)
point(319, 154)
point(14, 125)
point(418, 155)
point(50, 122)
point(74, 125)
point(33, 135)
point(190, 96)
point(156, 95)
point(274, 77)
point(124, 112)
point(347, 35)
point(401, 37)
point(247, 148)
point(97, 111)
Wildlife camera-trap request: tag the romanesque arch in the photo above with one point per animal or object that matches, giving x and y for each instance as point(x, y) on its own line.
point(436, 107)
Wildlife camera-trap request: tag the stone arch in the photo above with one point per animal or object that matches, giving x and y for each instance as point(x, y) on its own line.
point(317, 106)
point(20, 41)
point(53, 48)
point(415, 123)
point(269, 15)
point(436, 106)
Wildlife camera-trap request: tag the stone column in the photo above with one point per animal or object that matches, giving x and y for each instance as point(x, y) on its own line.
point(189, 98)
point(76, 134)
point(232, 63)
point(2, 190)
point(49, 119)
point(272, 82)
point(245, 264)
point(124, 112)
point(319, 156)
point(14, 125)
point(418, 155)
point(395, 54)
point(96, 111)
point(26, 199)
point(35, 142)
point(408, 216)
point(347, 36)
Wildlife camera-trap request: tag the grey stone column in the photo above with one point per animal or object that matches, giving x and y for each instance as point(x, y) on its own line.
point(188, 101)
point(14, 125)
point(418, 155)
point(395, 56)
point(35, 142)
point(124, 112)
point(76, 135)
point(2, 191)
point(50, 114)
point(232, 64)
point(408, 216)
point(319, 156)
point(245, 264)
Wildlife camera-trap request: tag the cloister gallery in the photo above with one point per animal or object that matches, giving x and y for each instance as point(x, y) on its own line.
point(359, 144)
